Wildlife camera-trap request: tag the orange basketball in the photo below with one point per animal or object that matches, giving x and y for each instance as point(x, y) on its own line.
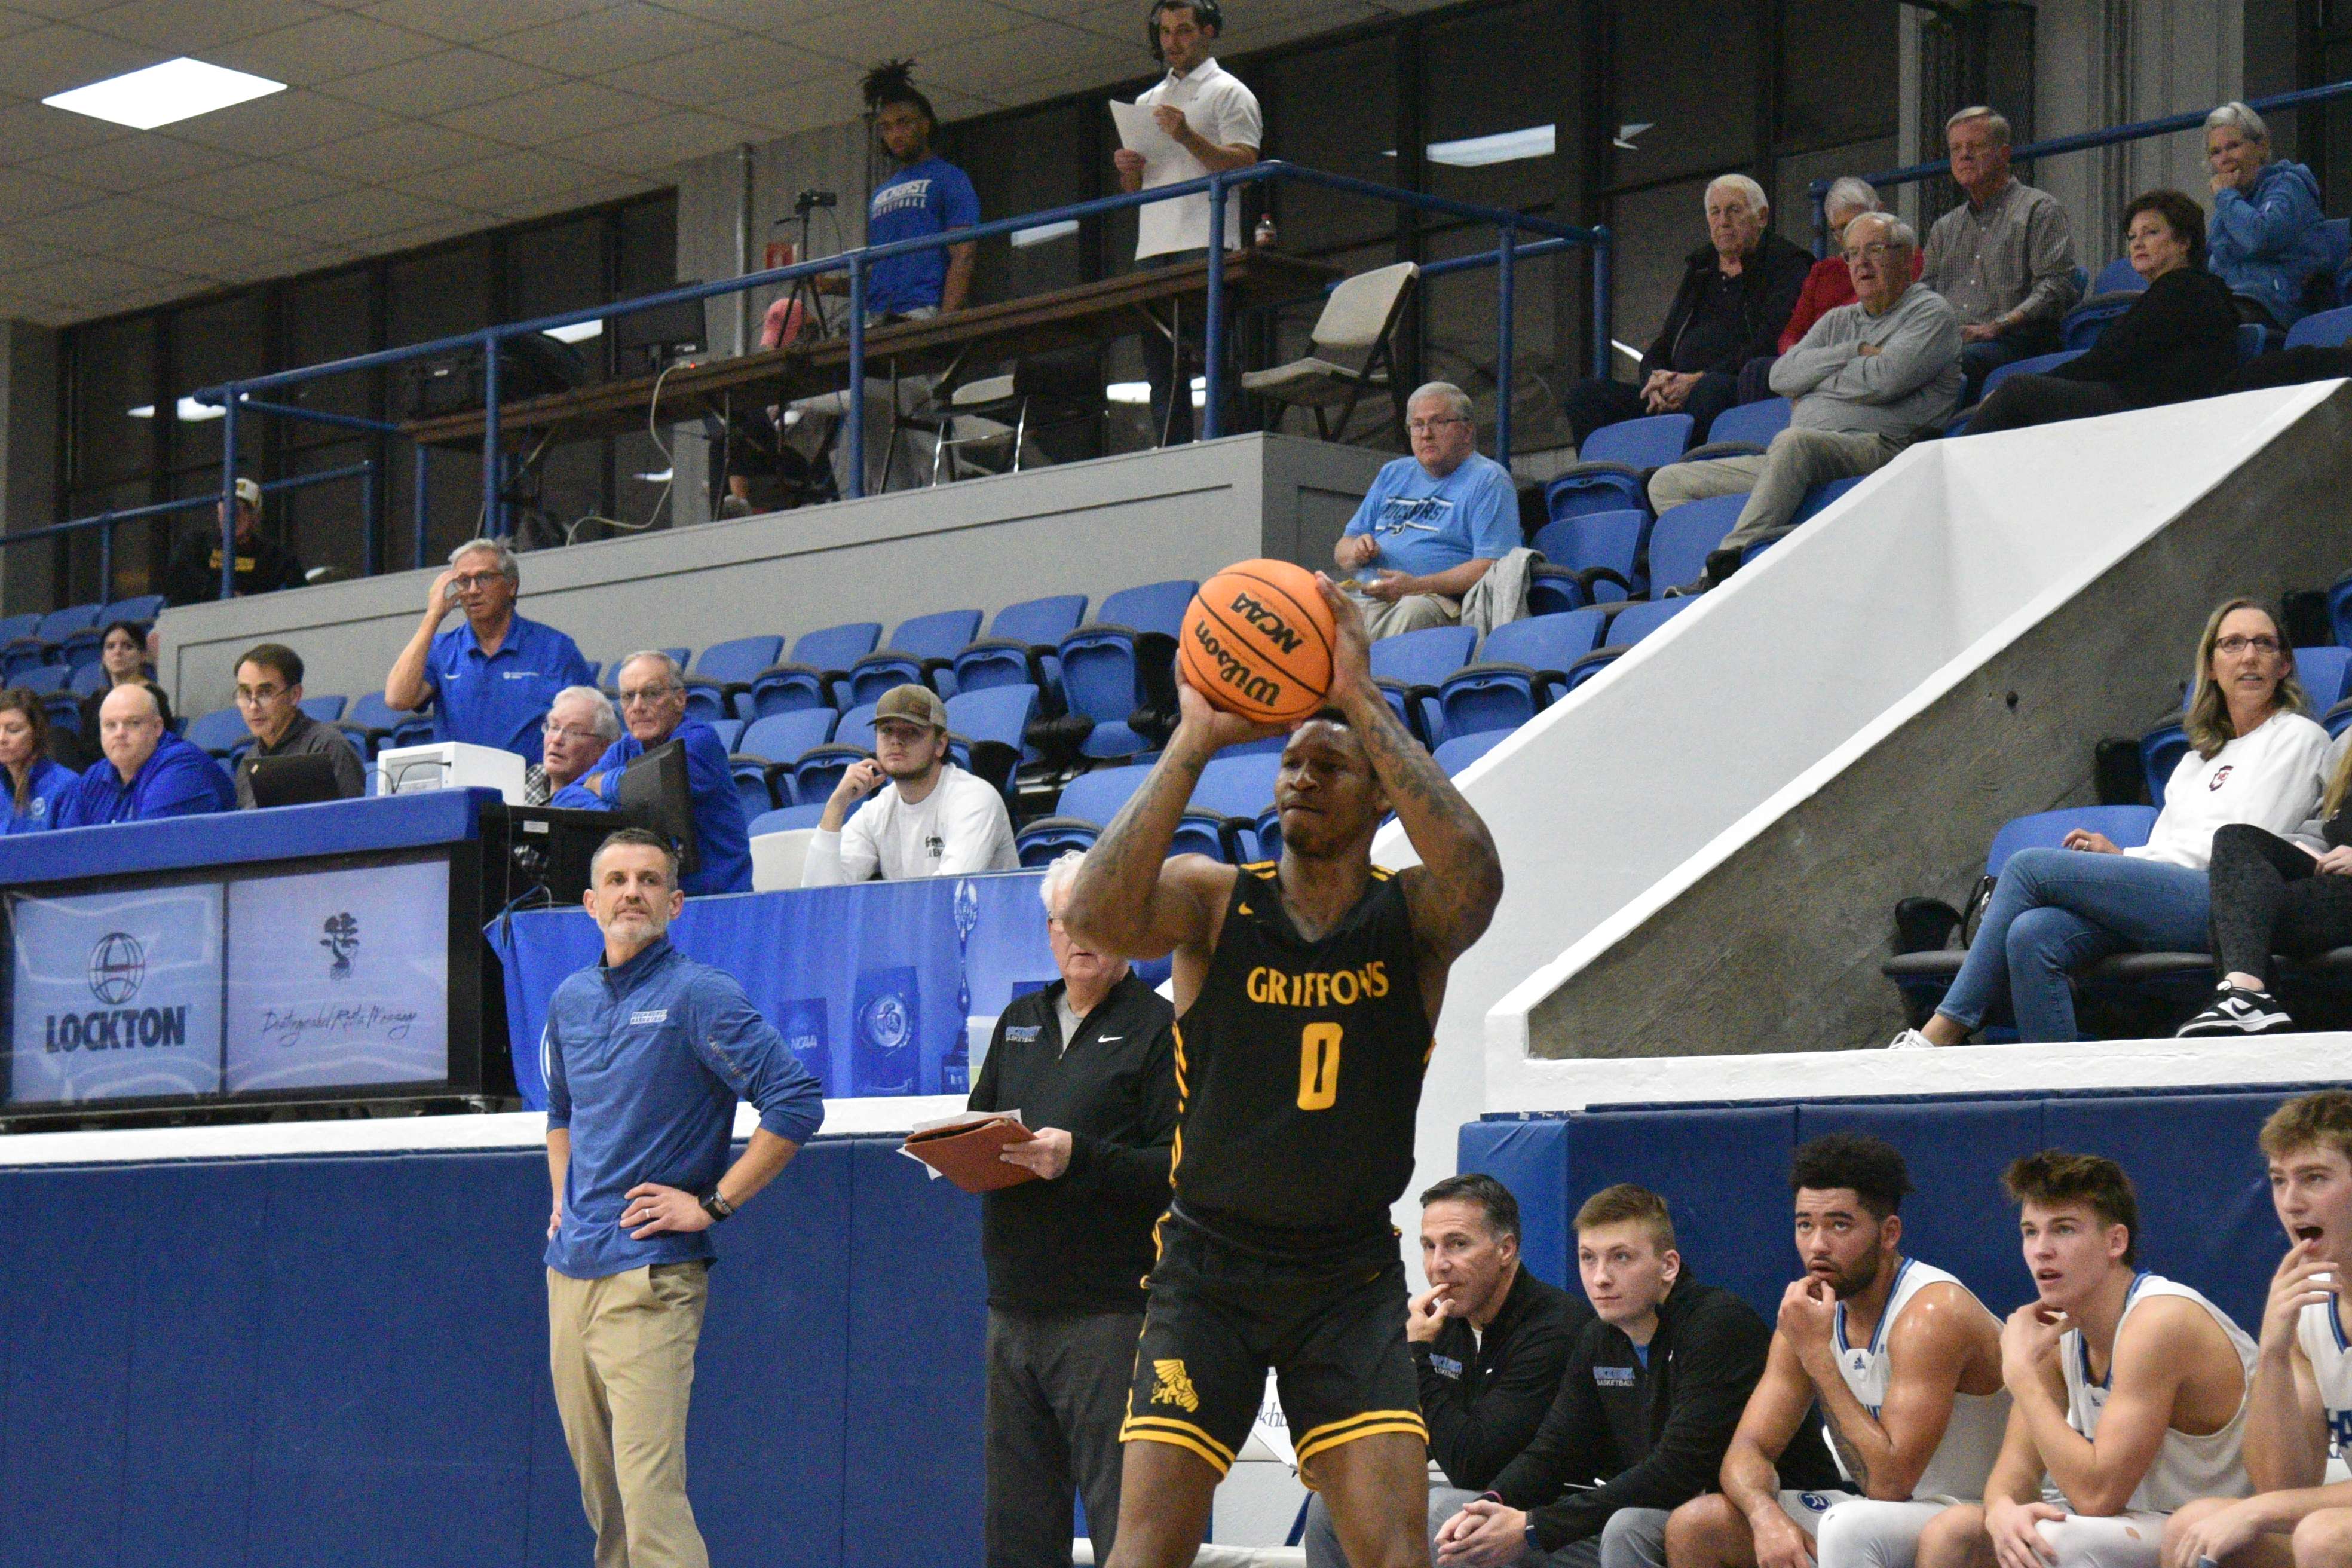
point(1257, 641)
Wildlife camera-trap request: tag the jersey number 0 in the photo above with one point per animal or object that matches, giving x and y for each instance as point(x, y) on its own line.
point(1318, 1067)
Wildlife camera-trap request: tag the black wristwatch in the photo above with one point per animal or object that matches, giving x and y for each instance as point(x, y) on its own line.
point(717, 1207)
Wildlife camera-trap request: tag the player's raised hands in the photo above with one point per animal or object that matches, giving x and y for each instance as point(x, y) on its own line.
point(1351, 658)
point(1202, 721)
point(1808, 1312)
point(1426, 1313)
point(2302, 1279)
point(2028, 1343)
point(1484, 1534)
point(2015, 1530)
point(1780, 1543)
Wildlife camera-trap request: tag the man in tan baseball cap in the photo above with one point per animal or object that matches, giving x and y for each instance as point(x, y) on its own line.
point(262, 565)
point(931, 817)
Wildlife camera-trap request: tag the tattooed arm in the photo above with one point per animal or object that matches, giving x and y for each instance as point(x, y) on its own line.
point(1454, 891)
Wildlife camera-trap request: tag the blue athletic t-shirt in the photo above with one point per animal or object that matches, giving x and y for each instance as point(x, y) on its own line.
point(929, 198)
point(1425, 525)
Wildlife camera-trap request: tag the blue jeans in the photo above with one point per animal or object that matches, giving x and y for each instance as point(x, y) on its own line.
point(2057, 911)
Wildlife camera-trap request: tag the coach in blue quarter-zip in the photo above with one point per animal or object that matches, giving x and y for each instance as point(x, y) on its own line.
point(645, 1056)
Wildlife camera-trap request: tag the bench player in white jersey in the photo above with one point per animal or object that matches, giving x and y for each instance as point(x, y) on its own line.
point(2301, 1409)
point(2129, 1392)
point(1904, 1361)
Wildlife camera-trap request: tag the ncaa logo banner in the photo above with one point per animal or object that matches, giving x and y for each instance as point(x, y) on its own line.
point(338, 979)
point(117, 994)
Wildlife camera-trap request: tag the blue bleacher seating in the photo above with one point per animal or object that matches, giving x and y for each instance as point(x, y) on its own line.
point(784, 819)
point(1461, 751)
point(1750, 424)
point(1085, 806)
point(57, 625)
point(2322, 329)
point(1269, 834)
point(1021, 649)
point(857, 727)
point(2085, 323)
point(922, 650)
point(25, 653)
point(820, 659)
point(371, 712)
point(737, 661)
point(1522, 666)
point(1683, 536)
point(325, 709)
point(1410, 667)
point(1234, 791)
point(64, 710)
point(992, 722)
point(784, 688)
point(1646, 443)
point(218, 731)
point(1122, 663)
point(1601, 551)
point(2323, 672)
point(751, 788)
point(1043, 621)
point(43, 679)
point(1628, 626)
point(705, 699)
point(80, 648)
point(2253, 338)
point(2119, 277)
point(1609, 469)
point(14, 627)
point(837, 648)
point(87, 679)
point(729, 731)
point(2032, 365)
point(783, 737)
point(143, 607)
point(2161, 751)
point(816, 771)
point(1819, 499)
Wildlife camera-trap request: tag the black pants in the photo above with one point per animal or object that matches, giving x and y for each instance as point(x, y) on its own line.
point(1057, 1394)
point(1593, 405)
point(1168, 367)
point(2288, 367)
point(2269, 896)
point(2023, 400)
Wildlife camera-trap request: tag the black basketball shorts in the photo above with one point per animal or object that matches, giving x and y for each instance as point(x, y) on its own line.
point(1219, 1317)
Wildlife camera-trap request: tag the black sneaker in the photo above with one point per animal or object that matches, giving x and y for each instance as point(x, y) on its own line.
point(2237, 1011)
point(1690, 590)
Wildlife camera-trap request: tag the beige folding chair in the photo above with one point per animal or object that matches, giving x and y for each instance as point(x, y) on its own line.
point(1359, 318)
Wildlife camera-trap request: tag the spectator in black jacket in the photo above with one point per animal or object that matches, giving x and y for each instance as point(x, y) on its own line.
point(1090, 1062)
point(2178, 342)
point(1652, 1391)
point(193, 572)
point(1737, 293)
point(1489, 1340)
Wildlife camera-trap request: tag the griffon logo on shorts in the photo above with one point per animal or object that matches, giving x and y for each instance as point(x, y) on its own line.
point(1173, 1388)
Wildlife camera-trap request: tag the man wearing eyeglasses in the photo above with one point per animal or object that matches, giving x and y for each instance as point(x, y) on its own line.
point(269, 698)
point(653, 711)
point(1433, 524)
point(580, 726)
point(494, 677)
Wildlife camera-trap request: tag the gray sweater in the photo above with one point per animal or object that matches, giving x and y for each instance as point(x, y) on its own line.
point(306, 734)
point(1912, 383)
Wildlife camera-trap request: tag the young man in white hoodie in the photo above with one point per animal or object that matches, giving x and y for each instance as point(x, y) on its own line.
point(930, 818)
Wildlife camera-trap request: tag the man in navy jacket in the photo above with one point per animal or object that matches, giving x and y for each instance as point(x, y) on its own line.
point(146, 772)
point(653, 707)
point(645, 1056)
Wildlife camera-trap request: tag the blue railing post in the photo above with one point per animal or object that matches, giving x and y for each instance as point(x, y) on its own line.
point(416, 499)
point(493, 510)
point(858, 377)
point(228, 496)
point(1604, 309)
point(1213, 332)
point(1507, 240)
point(106, 557)
point(367, 519)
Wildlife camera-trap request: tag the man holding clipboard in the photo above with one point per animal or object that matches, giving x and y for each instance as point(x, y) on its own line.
point(1089, 1064)
point(1202, 121)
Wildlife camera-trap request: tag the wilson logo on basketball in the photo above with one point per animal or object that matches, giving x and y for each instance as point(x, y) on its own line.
point(1246, 682)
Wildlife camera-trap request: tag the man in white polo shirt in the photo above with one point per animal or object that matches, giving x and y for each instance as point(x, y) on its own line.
point(930, 819)
point(1217, 128)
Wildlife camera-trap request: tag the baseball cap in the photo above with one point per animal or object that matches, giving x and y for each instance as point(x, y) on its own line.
point(915, 704)
point(248, 492)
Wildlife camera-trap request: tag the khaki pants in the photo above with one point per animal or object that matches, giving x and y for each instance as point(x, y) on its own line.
point(1410, 613)
point(1776, 482)
point(622, 1352)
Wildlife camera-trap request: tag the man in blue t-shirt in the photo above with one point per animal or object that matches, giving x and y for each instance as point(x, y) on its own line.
point(494, 677)
point(927, 195)
point(1432, 523)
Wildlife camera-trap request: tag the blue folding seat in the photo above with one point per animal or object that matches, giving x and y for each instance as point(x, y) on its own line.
point(857, 728)
point(14, 627)
point(781, 740)
point(784, 819)
point(992, 724)
point(1085, 806)
point(372, 713)
point(1021, 649)
point(89, 678)
point(1522, 666)
point(729, 731)
point(64, 710)
point(218, 731)
point(751, 790)
point(816, 772)
point(143, 608)
point(1684, 536)
point(80, 649)
point(2321, 329)
point(59, 625)
point(1120, 670)
point(922, 650)
point(1628, 626)
point(1269, 834)
point(1233, 793)
point(1600, 553)
point(2253, 338)
point(1818, 499)
point(1649, 442)
point(2033, 364)
point(1611, 469)
point(784, 688)
point(705, 700)
point(2323, 671)
point(1745, 430)
point(726, 669)
point(49, 680)
point(325, 709)
point(21, 654)
point(2161, 751)
point(820, 659)
point(1410, 667)
point(1461, 751)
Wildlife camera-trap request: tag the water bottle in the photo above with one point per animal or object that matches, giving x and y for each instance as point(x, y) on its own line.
point(1265, 234)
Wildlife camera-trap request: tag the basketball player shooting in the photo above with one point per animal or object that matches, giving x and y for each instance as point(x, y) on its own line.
point(1306, 1000)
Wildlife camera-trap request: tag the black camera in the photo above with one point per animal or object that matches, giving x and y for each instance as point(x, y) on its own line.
point(809, 201)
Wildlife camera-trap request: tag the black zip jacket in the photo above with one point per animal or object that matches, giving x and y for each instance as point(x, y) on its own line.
point(1082, 1242)
point(1631, 1436)
point(2177, 344)
point(1770, 278)
point(1484, 1396)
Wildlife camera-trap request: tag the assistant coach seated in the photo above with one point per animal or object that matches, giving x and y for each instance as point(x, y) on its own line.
point(653, 710)
point(146, 771)
point(1489, 1341)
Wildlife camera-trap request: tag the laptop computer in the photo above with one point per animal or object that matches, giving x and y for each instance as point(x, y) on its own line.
point(298, 778)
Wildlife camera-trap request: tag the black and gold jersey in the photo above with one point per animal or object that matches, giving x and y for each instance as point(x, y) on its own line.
point(1298, 1071)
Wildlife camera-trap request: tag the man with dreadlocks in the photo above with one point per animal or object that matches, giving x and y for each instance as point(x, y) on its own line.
point(928, 194)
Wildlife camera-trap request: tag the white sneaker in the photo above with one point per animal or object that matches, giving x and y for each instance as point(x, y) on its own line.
point(1911, 1040)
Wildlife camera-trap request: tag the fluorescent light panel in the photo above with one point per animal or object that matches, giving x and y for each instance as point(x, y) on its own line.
point(188, 411)
point(164, 94)
point(1502, 147)
point(1023, 238)
point(577, 332)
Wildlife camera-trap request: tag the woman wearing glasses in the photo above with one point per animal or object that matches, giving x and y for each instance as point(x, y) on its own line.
point(2175, 343)
point(2254, 758)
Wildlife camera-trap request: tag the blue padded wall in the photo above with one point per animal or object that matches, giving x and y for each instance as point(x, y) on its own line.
point(1530, 1157)
point(1698, 1158)
point(307, 1361)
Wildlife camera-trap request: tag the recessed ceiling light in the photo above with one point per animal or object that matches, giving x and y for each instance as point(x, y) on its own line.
point(1023, 238)
point(577, 332)
point(1502, 147)
point(163, 94)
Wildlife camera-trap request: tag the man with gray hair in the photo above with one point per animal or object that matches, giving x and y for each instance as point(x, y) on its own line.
point(1868, 380)
point(2004, 257)
point(1089, 1063)
point(1432, 523)
point(653, 710)
point(1735, 294)
point(1827, 285)
point(492, 678)
point(580, 726)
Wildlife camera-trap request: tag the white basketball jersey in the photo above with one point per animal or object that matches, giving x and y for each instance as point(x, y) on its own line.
point(2320, 1332)
point(1955, 1472)
point(2185, 1468)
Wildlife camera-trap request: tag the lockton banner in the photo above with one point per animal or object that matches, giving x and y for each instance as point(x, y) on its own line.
point(117, 994)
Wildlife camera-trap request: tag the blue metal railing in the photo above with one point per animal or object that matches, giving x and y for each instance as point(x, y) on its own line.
point(2080, 141)
point(240, 396)
point(106, 521)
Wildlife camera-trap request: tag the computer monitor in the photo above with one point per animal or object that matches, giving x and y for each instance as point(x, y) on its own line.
point(655, 795)
point(301, 778)
point(663, 330)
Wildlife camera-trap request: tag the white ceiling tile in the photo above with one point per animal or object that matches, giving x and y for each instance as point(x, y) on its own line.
point(33, 130)
point(657, 143)
point(432, 85)
point(715, 73)
point(552, 113)
point(932, 30)
point(13, 22)
point(612, 189)
point(283, 122)
point(64, 10)
point(495, 183)
point(610, 40)
point(828, 100)
point(1042, 49)
point(337, 44)
point(199, 26)
point(257, 186)
point(356, 215)
point(381, 157)
point(227, 250)
point(51, 59)
point(26, 194)
point(88, 275)
point(467, 21)
point(134, 163)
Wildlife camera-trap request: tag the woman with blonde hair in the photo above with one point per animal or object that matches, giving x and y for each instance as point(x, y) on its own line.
point(36, 781)
point(2278, 893)
point(2254, 758)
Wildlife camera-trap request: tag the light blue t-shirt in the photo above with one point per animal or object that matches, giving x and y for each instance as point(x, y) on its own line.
point(1426, 525)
